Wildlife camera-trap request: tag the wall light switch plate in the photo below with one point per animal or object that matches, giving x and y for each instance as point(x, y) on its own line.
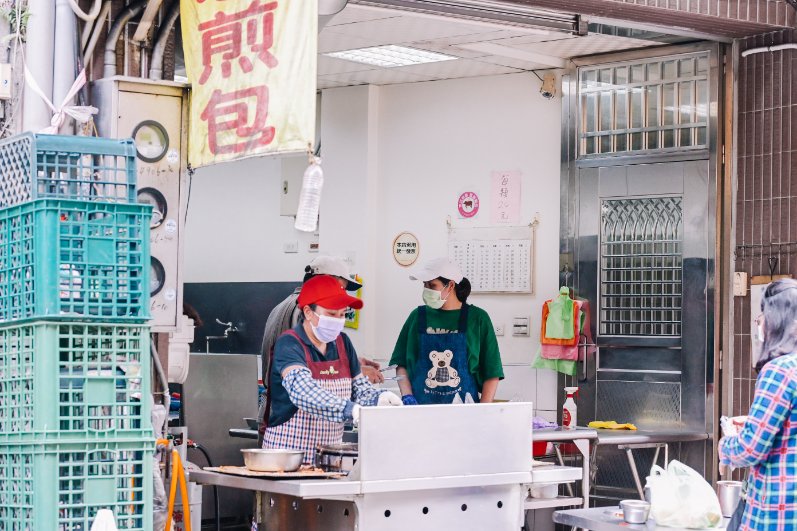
point(290, 247)
point(739, 284)
point(499, 330)
point(520, 327)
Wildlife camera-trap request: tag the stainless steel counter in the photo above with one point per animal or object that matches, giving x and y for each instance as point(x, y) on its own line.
point(621, 437)
point(603, 519)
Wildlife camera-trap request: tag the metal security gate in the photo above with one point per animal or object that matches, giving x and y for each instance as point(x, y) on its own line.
point(638, 224)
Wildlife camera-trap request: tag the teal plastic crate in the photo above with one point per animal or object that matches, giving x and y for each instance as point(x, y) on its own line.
point(67, 167)
point(61, 487)
point(74, 382)
point(63, 259)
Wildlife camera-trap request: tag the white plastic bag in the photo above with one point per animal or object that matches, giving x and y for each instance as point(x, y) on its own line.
point(680, 497)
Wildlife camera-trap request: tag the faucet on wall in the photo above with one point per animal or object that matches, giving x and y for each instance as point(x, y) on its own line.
point(231, 329)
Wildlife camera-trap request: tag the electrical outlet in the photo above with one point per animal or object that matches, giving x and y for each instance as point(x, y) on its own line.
point(499, 330)
point(290, 247)
point(739, 284)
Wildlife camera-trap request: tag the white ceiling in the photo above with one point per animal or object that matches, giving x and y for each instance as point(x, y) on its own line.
point(361, 27)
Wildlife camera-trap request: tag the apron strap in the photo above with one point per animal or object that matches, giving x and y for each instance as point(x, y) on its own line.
point(343, 355)
point(422, 319)
point(463, 319)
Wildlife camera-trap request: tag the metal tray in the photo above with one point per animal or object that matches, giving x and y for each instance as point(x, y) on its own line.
point(243, 471)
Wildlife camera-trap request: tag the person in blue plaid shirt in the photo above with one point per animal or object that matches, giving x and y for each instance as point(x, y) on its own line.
point(767, 443)
point(315, 382)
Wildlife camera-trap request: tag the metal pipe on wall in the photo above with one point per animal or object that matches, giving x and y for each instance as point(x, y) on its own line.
point(64, 56)
point(775, 48)
point(39, 56)
point(156, 69)
point(96, 32)
point(114, 33)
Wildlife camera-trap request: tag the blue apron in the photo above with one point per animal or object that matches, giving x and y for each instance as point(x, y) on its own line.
point(441, 373)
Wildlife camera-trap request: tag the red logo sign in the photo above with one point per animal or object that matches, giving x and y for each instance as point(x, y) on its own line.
point(468, 205)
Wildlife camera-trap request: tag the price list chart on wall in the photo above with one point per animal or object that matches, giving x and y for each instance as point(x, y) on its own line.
point(495, 260)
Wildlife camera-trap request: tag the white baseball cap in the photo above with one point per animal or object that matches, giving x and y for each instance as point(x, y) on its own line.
point(334, 266)
point(439, 267)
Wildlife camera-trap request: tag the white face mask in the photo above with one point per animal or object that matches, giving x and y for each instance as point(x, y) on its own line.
point(329, 328)
point(760, 332)
point(433, 298)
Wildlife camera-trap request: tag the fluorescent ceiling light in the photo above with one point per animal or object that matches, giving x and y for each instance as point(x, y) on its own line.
point(391, 56)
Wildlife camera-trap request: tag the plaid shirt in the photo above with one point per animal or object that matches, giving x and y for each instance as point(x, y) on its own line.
point(768, 444)
point(310, 397)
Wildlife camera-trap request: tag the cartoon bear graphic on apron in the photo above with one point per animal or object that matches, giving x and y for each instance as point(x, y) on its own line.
point(441, 374)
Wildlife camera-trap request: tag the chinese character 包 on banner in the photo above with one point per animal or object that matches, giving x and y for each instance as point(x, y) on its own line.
point(252, 66)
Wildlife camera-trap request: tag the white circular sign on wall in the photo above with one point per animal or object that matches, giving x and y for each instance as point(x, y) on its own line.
point(406, 249)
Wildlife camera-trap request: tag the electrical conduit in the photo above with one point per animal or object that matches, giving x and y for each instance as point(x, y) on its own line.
point(156, 68)
point(114, 33)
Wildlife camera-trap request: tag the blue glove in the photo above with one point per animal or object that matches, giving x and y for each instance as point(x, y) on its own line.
point(409, 400)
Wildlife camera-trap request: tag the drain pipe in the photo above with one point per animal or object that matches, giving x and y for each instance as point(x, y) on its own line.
point(775, 48)
point(39, 54)
point(156, 69)
point(64, 56)
point(96, 32)
point(114, 33)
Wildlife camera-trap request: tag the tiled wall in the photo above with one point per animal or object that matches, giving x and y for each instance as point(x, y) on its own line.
point(766, 201)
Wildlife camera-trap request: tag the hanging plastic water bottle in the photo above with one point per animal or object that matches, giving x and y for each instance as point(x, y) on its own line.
point(310, 197)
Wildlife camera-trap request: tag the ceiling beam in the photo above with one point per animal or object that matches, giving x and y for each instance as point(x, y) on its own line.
point(492, 48)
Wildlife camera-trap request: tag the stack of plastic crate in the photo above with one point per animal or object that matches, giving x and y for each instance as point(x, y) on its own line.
point(75, 429)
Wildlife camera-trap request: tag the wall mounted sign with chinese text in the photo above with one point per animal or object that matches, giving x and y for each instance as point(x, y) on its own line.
point(505, 187)
point(406, 249)
point(252, 67)
point(468, 204)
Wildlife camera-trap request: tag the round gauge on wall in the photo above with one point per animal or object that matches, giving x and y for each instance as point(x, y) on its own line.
point(157, 276)
point(151, 141)
point(152, 196)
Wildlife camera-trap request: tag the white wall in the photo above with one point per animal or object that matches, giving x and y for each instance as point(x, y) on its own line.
point(234, 232)
point(434, 140)
point(395, 159)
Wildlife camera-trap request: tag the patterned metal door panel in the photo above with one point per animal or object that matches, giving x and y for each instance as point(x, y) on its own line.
point(641, 265)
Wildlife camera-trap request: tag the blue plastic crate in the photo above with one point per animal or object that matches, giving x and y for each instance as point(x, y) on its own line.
point(75, 260)
point(62, 487)
point(67, 167)
point(74, 382)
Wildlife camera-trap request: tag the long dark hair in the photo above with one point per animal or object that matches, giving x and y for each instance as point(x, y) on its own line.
point(779, 306)
point(461, 288)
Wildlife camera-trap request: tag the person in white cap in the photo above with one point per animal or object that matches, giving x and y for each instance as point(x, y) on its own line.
point(447, 351)
point(285, 315)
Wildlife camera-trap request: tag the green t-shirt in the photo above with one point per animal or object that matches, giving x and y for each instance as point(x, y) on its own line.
point(484, 359)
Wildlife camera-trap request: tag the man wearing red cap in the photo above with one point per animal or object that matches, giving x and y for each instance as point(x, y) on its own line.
point(315, 381)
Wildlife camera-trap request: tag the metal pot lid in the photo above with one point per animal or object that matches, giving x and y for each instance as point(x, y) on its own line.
point(339, 449)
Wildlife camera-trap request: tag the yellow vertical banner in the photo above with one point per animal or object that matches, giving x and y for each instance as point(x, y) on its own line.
point(252, 68)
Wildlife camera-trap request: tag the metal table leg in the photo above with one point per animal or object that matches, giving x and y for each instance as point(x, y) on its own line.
point(630, 454)
point(562, 463)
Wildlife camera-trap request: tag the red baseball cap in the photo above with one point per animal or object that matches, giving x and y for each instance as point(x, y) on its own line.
point(327, 292)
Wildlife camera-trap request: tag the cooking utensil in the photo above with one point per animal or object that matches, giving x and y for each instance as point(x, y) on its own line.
point(635, 511)
point(337, 457)
point(396, 378)
point(272, 460)
point(252, 424)
point(388, 368)
point(729, 494)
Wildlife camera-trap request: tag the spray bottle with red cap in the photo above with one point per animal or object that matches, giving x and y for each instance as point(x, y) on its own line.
point(569, 409)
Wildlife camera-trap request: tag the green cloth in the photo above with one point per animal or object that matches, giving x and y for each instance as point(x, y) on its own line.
point(484, 358)
point(564, 366)
point(559, 324)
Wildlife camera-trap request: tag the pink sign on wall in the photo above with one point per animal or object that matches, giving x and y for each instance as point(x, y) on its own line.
point(505, 192)
point(468, 204)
